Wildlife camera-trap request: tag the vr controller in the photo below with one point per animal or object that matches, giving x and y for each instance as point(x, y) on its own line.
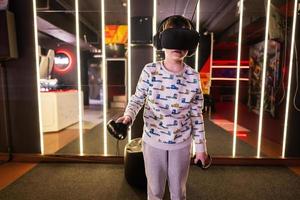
point(207, 162)
point(117, 130)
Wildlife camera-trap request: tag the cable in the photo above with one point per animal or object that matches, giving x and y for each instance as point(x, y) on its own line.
point(195, 10)
point(117, 148)
point(285, 50)
point(185, 8)
point(297, 81)
point(175, 7)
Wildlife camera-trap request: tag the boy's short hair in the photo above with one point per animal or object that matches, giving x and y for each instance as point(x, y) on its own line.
point(177, 22)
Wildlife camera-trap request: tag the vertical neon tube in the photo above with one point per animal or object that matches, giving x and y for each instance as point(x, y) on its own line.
point(104, 77)
point(79, 78)
point(211, 58)
point(197, 29)
point(237, 90)
point(289, 80)
point(129, 56)
point(37, 67)
point(197, 50)
point(154, 26)
point(262, 97)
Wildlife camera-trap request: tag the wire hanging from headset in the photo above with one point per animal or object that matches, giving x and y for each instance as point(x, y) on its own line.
point(185, 8)
point(175, 7)
point(297, 81)
point(195, 10)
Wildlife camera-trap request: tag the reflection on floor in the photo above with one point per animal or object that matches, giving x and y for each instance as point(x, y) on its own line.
point(229, 126)
point(219, 141)
point(54, 141)
point(66, 141)
point(9, 172)
point(225, 121)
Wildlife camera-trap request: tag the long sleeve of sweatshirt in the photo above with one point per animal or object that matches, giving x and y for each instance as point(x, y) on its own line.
point(173, 107)
point(137, 100)
point(198, 131)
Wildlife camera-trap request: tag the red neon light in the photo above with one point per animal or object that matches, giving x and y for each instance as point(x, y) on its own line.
point(240, 134)
point(69, 67)
point(230, 62)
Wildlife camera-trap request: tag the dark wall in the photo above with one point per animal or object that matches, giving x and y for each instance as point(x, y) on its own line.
point(85, 55)
point(293, 136)
point(3, 140)
point(21, 80)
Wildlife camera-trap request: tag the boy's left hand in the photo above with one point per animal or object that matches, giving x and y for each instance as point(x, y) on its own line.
point(200, 156)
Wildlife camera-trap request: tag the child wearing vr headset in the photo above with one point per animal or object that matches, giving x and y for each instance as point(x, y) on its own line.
point(171, 93)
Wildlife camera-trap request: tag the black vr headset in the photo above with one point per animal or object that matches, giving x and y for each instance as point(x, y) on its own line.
point(176, 38)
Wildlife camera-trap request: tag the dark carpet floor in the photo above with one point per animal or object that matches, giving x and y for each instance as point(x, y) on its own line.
point(107, 182)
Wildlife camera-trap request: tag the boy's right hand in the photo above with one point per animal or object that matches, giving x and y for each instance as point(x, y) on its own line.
point(124, 119)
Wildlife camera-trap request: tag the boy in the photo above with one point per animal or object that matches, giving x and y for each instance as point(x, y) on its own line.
point(173, 100)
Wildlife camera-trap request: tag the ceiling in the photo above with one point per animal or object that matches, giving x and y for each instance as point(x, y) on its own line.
point(218, 16)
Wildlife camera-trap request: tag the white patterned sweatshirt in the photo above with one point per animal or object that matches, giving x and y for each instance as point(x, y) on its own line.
point(173, 107)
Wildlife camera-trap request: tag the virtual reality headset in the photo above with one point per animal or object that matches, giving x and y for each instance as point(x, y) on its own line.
point(177, 38)
point(181, 39)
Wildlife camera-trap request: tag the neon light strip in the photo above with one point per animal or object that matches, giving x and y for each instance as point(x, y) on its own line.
point(229, 67)
point(230, 62)
point(211, 58)
point(37, 67)
point(241, 135)
point(129, 56)
point(229, 79)
point(262, 98)
point(116, 59)
point(154, 26)
point(197, 51)
point(104, 77)
point(197, 29)
point(289, 81)
point(238, 79)
point(79, 78)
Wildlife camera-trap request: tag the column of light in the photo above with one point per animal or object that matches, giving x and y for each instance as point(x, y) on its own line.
point(197, 50)
point(289, 80)
point(211, 59)
point(129, 55)
point(154, 27)
point(262, 97)
point(79, 78)
point(104, 77)
point(37, 67)
point(241, 8)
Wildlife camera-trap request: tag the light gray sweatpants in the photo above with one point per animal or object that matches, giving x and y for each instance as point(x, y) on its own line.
point(162, 165)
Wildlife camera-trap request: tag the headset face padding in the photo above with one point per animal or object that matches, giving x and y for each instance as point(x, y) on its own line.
point(176, 38)
point(182, 39)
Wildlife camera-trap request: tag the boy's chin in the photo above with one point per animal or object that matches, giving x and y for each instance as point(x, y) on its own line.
point(177, 58)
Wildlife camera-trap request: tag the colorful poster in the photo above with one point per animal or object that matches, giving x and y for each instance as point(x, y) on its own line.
point(116, 34)
point(272, 76)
